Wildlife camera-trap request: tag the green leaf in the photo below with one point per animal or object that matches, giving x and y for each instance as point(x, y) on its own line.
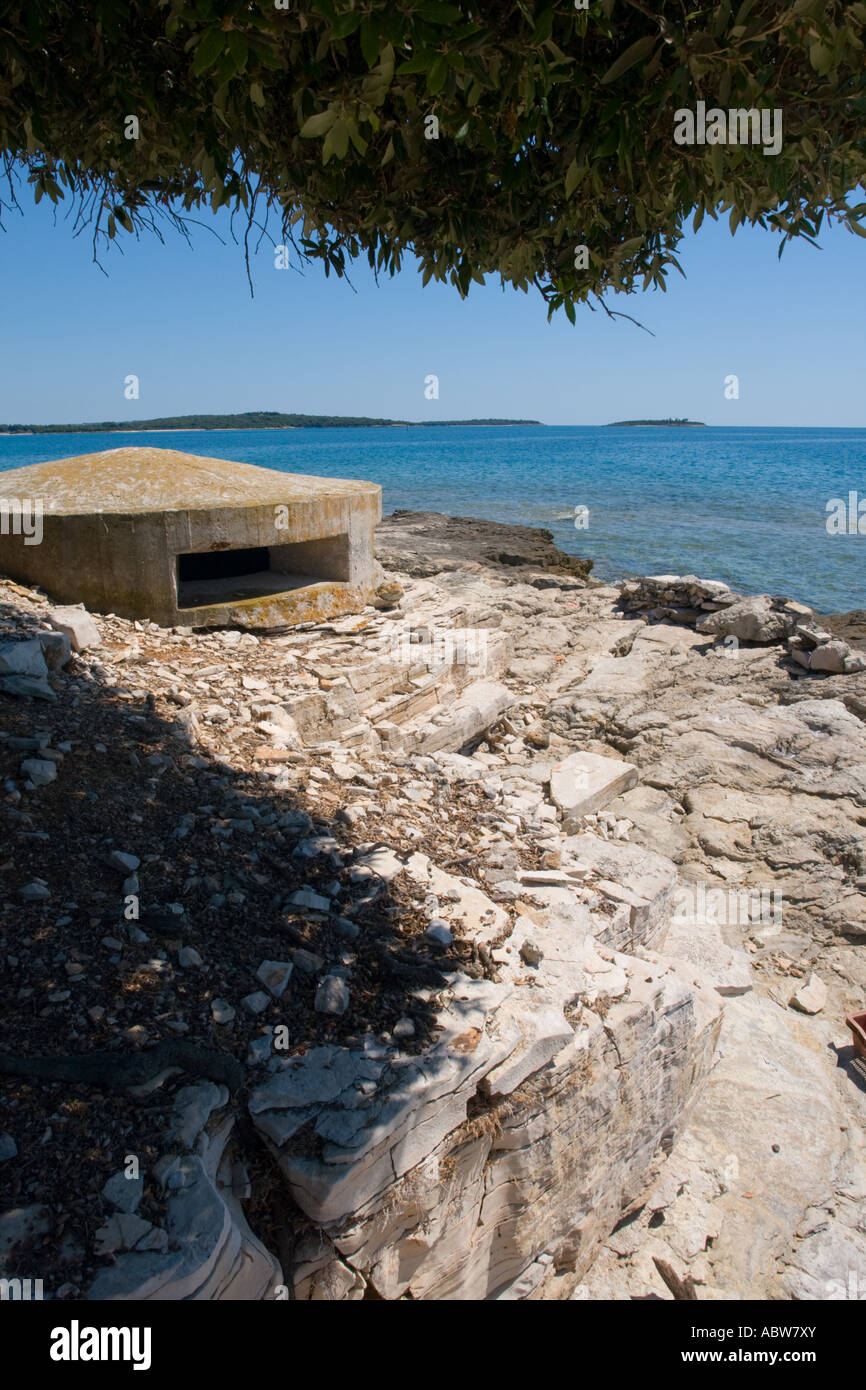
point(339, 137)
point(821, 58)
point(207, 52)
point(437, 74)
point(356, 138)
point(319, 124)
point(346, 24)
point(573, 176)
point(744, 11)
point(257, 96)
point(440, 14)
point(628, 247)
point(569, 311)
point(369, 41)
point(544, 28)
point(420, 63)
point(239, 49)
point(633, 54)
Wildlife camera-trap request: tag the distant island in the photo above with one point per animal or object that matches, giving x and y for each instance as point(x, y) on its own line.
point(693, 424)
point(246, 420)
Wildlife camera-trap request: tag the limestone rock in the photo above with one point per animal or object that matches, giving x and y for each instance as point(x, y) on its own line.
point(332, 996)
point(34, 892)
point(584, 782)
point(120, 1232)
point(306, 898)
point(23, 658)
point(77, 625)
point(56, 648)
point(274, 975)
point(830, 656)
point(478, 707)
point(124, 863)
point(256, 1002)
point(124, 1193)
point(422, 1234)
point(20, 1224)
point(811, 997)
point(212, 1252)
point(699, 940)
point(753, 619)
point(40, 771)
point(639, 883)
point(28, 687)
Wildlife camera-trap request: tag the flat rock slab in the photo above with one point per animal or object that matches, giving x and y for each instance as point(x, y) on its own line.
point(811, 997)
point(426, 543)
point(640, 883)
point(77, 625)
point(585, 782)
point(22, 658)
point(479, 706)
point(699, 941)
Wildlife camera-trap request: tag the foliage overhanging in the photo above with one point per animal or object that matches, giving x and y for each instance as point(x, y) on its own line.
point(555, 126)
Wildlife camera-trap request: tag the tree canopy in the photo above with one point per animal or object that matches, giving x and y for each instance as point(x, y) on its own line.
point(554, 126)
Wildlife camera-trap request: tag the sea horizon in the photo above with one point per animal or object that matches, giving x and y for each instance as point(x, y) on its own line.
point(744, 504)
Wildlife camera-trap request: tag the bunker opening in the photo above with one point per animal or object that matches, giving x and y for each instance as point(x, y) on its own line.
point(210, 577)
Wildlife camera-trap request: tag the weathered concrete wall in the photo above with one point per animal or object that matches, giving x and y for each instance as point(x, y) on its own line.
point(114, 524)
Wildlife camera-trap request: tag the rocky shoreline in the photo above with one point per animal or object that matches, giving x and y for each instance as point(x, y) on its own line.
point(528, 908)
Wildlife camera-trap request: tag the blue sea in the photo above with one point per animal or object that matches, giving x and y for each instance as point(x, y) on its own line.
point(748, 506)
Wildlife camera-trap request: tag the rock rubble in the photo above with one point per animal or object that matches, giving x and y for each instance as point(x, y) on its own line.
point(473, 913)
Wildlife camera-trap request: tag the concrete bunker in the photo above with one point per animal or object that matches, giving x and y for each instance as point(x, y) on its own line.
point(155, 533)
point(207, 577)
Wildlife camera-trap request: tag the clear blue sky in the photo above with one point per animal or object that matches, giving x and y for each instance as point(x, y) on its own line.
point(182, 320)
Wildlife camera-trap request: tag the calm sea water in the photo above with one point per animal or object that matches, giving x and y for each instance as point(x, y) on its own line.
point(748, 506)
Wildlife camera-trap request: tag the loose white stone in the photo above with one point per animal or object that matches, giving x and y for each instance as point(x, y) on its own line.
point(78, 626)
point(120, 1232)
point(124, 863)
point(123, 1193)
point(41, 771)
point(256, 1002)
point(811, 997)
point(274, 975)
point(34, 892)
point(305, 897)
point(585, 782)
point(332, 996)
